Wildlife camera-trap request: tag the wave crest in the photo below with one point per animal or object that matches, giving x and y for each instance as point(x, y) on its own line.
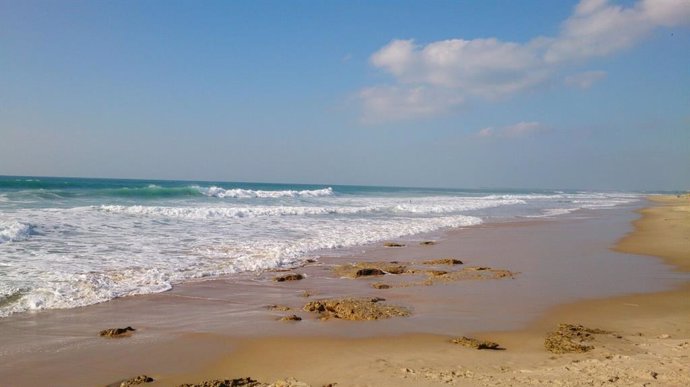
point(239, 193)
point(13, 231)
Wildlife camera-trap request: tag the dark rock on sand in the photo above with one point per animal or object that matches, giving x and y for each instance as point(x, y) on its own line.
point(443, 261)
point(427, 243)
point(393, 244)
point(380, 286)
point(368, 272)
point(292, 317)
point(355, 309)
point(141, 379)
point(570, 338)
point(476, 344)
point(241, 382)
point(116, 332)
point(289, 277)
point(366, 269)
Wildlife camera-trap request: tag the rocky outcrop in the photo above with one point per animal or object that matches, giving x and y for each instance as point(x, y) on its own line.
point(292, 317)
point(282, 308)
point(355, 309)
point(570, 338)
point(288, 277)
point(393, 244)
point(141, 379)
point(116, 332)
point(475, 343)
point(367, 269)
point(443, 261)
point(240, 382)
point(247, 382)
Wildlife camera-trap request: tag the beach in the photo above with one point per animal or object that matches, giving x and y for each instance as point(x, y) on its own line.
point(229, 328)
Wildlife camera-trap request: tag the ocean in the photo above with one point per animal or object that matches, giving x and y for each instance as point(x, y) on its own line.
point(70, 242)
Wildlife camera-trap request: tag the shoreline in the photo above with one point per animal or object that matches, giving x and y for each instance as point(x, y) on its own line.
point(221, 349)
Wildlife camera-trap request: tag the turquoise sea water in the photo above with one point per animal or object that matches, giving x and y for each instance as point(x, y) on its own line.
point(68, 242)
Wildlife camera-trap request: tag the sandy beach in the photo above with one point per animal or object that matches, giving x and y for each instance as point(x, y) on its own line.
point(636, 307)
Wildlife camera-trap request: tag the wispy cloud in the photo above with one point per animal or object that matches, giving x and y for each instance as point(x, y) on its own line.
point(461, 70)
point(520, 129)
point(584, 80)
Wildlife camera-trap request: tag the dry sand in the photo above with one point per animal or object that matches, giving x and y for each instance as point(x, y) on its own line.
point(649, 343)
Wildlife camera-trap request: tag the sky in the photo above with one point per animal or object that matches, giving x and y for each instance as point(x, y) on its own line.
point(589, 94)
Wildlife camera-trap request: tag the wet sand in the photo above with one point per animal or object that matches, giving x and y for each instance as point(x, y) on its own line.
point(222, 329)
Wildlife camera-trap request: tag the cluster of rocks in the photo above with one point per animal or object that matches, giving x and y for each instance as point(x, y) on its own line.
point(373, 269)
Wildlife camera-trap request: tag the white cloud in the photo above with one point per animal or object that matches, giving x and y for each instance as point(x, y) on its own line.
point(385, 103)
point(520, 129)
point(491, 68)
point(584, 80)
point(486, 132)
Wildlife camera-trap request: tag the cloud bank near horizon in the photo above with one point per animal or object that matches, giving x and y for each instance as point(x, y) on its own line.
point(444, 75)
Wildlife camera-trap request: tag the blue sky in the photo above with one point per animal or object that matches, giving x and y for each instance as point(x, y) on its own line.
point(547, 94)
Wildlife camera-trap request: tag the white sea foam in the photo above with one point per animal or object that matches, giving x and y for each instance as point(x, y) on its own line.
point(418, 206)
point(248, 193)
point(549, 212)
point(12, 231)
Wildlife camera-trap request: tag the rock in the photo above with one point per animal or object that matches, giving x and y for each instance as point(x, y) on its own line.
point(365, 269)
point(289, 277)
point(282, 308)
point(474, 343)
point(292, 317)
point(664, 336)
point(393, 244)
point(356, 309)
point(380, 286)
point(443, 261)
point(306, 293)
point(427, 243)
point(141, 379)
point(569, 338)
point(240, 382)
point(368, 272)
point(116, 332)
